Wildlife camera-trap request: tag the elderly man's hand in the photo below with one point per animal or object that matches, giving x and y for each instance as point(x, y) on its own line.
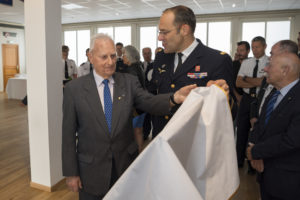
point(221, 83)
point(258, 165)
point(74, 183)
point(182, 93)
point(248, 151)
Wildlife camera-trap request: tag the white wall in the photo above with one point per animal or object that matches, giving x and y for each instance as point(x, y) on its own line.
point(19, 39)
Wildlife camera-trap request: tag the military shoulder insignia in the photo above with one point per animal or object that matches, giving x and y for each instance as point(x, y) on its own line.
point(223, 53)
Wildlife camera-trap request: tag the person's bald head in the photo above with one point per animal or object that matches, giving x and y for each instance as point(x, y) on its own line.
point(283, 69)
point(284, 46)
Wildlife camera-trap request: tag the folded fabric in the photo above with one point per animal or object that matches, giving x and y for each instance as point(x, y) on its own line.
point(192, 158)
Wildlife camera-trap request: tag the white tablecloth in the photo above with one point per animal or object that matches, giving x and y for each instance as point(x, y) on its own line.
point(16, 88)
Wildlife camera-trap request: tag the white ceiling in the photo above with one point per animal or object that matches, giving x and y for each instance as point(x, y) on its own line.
point(103, 10)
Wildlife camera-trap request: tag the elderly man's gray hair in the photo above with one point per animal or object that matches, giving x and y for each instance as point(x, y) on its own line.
point(99, 36)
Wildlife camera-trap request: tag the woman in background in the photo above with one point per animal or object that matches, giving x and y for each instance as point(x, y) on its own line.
point(131, 58)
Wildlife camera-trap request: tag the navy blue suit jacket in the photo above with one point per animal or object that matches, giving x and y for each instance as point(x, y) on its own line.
point(278, 144)
point(210, 63)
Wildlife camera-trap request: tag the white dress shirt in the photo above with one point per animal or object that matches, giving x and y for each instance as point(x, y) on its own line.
point(84, 69)
point(72, 68)
point(185, 53)
point(248, 66)
point(283, 91)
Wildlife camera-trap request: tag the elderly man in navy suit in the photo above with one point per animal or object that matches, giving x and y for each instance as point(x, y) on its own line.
point(185, 60)
point(274, 147)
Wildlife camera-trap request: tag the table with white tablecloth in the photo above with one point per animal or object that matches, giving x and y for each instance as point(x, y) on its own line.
point(16, 87)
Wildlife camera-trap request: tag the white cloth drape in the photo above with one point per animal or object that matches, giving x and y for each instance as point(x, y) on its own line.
point(193, 157)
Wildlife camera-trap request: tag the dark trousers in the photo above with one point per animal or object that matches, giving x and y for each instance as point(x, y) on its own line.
point(243, 127)
point(147, 126)
point(114, 177)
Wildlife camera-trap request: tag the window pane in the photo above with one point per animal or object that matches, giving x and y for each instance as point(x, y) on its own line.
point(251, 30)
point(159, 44)
point(83, 42)
point(148, 38)
point(219, 39)
point(107, 30)
point(70, 41)
point(201, 32)
point(282, 30)
point(123, 34)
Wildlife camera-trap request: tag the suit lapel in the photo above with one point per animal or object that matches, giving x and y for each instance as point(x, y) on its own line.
point(168, 65)
point(118, 100)
point(92, 97)
point(191, 61)
point(282, 105)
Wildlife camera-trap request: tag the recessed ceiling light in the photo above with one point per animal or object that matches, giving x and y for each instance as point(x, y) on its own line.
point(233, 5)
point(117, 14)
point(71, 6)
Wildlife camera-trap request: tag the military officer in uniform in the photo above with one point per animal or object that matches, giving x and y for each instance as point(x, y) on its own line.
point(69, 66)
point(185, 60)
point(86, 67)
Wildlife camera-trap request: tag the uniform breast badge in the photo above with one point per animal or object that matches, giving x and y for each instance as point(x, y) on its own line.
point(197, 75)
point(162, 70)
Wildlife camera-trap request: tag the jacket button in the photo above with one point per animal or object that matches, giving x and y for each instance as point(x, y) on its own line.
point(166, 117)
point(172, 85)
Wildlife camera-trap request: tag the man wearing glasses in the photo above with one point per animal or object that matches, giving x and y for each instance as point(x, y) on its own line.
point(185, 60)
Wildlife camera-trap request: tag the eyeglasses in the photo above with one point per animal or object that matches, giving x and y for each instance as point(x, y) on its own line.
point(166, 32)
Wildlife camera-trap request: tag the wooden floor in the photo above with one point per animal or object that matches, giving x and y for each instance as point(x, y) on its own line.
point(15, 166)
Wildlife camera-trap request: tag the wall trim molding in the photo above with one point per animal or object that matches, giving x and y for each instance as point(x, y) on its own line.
point(47, 188)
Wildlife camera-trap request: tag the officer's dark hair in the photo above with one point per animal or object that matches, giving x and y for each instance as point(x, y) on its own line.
point(183, 15)
point(87, 50)
point(289, 46)
point(119, 44)
point(65, 48)
point(247, 45)
point(259, 39)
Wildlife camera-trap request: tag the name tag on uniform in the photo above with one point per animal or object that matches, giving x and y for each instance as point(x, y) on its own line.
point(197, 75)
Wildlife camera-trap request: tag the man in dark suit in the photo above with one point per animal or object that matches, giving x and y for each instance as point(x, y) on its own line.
point(148, 70)
point(274, 148)
point(282, 46)
point(98, 107)
point(120, 67)
point(185, 60)
point(242, 51)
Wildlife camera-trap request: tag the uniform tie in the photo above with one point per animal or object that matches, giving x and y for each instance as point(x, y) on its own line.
point(179, 60)
point(107, 104)
point(270, 105)
point(254, 75)
point(66, 70)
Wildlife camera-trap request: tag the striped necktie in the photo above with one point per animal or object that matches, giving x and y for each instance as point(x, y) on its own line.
point(270, 106)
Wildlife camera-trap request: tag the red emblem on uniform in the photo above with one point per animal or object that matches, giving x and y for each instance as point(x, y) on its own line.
point(197, 68)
